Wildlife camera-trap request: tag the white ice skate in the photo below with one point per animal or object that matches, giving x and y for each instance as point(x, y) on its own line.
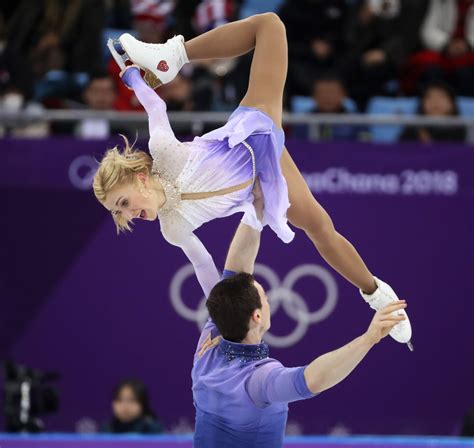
point(383, 296)
point(160, 62)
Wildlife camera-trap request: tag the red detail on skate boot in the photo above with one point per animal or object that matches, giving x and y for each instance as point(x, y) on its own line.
point(162, 66)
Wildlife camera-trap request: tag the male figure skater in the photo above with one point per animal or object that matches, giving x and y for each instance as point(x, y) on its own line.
point(241, 395)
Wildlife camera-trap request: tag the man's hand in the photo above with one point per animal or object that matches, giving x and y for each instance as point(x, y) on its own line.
point(384, 320)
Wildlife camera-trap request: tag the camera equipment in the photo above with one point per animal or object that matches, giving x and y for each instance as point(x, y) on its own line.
point(27, 396)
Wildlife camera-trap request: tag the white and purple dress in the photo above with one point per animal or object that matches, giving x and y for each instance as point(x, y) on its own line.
point(248, 145)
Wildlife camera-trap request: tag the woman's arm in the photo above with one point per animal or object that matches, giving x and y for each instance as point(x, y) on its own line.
point(201, 259)
point(154, 106)
point(179, 232)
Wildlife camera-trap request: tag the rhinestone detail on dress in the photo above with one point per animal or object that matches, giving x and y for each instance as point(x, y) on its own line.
point(171, 190)
point(252, 154)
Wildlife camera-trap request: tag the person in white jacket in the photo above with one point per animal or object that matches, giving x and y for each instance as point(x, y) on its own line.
point(449, 27)
point(447, 38)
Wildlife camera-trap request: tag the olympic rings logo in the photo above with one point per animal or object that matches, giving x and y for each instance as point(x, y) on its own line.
point(280, 294)
point(82, 171)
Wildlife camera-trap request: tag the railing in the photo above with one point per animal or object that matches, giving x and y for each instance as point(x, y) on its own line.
point(197, 120)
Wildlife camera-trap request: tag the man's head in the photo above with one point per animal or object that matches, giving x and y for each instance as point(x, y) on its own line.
point(239, 306)
point(329, 93)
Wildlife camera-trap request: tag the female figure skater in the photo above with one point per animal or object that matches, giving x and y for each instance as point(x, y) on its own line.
point(187, 184)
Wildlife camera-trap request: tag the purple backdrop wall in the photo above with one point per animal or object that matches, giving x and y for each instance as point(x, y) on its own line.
point(96, 307)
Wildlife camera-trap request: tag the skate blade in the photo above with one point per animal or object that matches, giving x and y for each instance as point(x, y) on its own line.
point(410, 346)
point(120, 59)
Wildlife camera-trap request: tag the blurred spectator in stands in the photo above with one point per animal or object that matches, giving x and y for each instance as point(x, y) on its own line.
point(437, 100)
point(380, 34)
point(100, 94)
point(13, 101)
point(131, 410)
point(315, 40)
point(185, 94)
point(447, 35)
point(151, 19)
point(151, 22)
point(194, 17)
point(53, 35)
point(330, 96)
point(118, 14)
point(229, 78)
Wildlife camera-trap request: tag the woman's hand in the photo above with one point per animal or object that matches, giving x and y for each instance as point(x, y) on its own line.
point(208, 344)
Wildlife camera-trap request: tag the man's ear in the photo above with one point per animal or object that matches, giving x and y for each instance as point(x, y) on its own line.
point(256, 315)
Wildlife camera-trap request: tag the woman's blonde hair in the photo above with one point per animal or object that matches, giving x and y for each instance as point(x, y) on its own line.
point(120, 167)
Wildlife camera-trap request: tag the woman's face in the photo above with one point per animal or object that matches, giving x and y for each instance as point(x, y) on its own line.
point(126, 408)
point(437, 102)
point(133, 201)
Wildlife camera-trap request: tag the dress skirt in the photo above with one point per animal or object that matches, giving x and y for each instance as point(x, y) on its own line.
point(258, 130)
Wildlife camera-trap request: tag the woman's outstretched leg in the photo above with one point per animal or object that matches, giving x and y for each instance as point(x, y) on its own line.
point(265, 91)
point(266, 34)
point(307, 214)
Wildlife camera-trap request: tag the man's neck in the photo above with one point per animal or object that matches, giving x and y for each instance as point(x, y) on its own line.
point(253, 337)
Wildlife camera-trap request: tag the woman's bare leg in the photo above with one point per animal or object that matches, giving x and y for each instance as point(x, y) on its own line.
point(307, 214)
point(266, 33)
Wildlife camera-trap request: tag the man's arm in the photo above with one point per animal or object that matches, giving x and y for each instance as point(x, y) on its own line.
point(272, 382)
point(244, 247)
point(330, 369)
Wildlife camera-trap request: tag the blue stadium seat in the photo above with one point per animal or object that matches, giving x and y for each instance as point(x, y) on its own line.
point(466, 106)
point(389, 106)
point(251, 7)
point(304, 104)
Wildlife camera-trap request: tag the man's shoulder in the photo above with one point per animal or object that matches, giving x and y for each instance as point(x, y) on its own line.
point(267, 364)
point(209, 328)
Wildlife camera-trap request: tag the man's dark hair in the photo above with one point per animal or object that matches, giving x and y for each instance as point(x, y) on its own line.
point(231, 304)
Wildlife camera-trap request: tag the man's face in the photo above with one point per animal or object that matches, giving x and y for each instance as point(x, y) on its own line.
point(265, 310)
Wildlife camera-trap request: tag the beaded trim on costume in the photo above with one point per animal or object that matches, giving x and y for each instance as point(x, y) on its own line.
point(252, 154)
point(244, 352)
point(172, 193)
